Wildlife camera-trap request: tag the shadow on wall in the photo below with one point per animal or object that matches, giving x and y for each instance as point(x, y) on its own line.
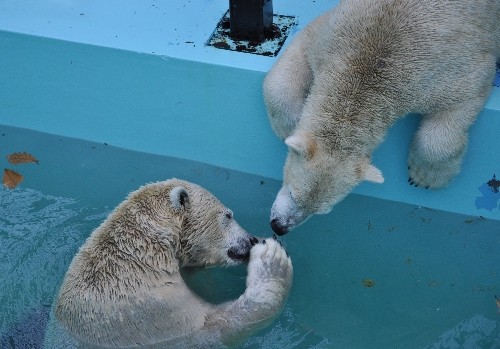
point(496, 83)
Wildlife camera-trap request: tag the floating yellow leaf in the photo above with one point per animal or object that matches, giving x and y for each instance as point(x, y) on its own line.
point(21, 158)
point(11, 179)
point(368, 282)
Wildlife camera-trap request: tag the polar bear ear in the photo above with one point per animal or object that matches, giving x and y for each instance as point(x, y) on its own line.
point(373, 174)
point(302, 143)
point(179, 197)
point(368, 172)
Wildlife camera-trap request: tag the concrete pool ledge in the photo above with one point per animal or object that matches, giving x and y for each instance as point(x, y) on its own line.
point(138, 75)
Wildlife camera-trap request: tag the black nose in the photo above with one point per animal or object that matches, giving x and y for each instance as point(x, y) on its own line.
point(278, 228)
point(253, 240)
point(238, 255)
point(241, 252)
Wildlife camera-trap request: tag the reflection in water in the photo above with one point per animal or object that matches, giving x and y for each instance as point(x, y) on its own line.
point(287, 333)
point(477, 332)
point(428, 270)
point(38, 236)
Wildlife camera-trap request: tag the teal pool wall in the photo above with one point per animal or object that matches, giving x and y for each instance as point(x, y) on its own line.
point(139, 76)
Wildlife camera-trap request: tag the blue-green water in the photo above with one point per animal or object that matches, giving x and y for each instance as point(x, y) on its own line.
point(372, 274)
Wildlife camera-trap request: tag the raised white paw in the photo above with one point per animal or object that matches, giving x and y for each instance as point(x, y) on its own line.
point(270, 273)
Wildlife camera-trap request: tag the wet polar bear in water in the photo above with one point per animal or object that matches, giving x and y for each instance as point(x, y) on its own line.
point(123, 289)
point(351, 73)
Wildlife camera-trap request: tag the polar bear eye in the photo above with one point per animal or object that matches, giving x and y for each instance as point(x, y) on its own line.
point(229, 215)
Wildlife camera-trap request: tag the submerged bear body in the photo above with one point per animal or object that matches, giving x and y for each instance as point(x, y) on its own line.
point(124, 289)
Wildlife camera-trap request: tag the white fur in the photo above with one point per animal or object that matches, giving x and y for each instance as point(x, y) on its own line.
point(351, 73)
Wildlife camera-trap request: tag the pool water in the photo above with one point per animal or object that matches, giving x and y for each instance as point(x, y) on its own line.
point(371, 274)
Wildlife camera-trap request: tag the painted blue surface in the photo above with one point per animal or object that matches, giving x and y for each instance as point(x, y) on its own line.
point(177, 29)
point(482, 161)
point(434, 273)
point(137, 75)
point(138, 101)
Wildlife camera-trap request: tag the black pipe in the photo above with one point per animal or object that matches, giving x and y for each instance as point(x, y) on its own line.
point(250, 19)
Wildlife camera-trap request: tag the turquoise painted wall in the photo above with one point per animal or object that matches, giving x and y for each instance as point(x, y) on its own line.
point(198, 110)
point(160, 105)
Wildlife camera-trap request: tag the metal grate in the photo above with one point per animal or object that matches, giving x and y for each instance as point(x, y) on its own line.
point(281, 28)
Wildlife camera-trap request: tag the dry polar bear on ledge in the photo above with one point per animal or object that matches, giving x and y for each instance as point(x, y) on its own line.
point(123, 289)
point(351, 73)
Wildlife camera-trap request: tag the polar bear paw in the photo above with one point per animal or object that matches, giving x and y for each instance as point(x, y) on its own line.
point(427, 174)
point(438, 149)
point(270, 273)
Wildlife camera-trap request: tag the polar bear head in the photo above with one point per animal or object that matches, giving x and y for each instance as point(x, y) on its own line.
point(209, 234)
point(316, 178)
point(196, 228)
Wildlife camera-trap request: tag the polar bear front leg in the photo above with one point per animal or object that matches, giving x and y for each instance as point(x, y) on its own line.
point(269, 281)
point(269, 277)
point(439, 145)
point(286, 86)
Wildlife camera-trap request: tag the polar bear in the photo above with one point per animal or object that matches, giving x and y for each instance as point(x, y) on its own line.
point(351, 73)
point(123, 288)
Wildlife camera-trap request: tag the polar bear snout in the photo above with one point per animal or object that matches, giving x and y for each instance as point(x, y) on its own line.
point(278, 227)
point(285, 214)
point(241, 252)
point(282, 224)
